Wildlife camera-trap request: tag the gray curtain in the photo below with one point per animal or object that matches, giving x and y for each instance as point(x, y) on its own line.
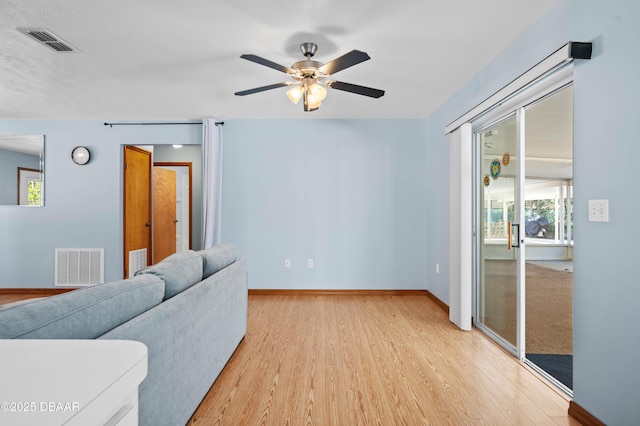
point(211, 182)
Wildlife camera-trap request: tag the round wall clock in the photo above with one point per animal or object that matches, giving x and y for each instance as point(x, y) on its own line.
point(80, 155)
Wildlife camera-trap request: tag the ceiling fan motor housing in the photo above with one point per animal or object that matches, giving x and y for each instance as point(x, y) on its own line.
point(307, 68)
point(308, 49)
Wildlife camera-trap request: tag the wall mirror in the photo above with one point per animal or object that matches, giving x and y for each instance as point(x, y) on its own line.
point(22, 170)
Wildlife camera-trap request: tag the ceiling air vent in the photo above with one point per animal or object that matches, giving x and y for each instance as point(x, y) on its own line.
point(45, 37)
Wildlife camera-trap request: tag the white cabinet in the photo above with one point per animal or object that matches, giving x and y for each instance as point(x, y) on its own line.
point(70, 382)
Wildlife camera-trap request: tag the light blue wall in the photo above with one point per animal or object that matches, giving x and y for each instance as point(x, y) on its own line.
point(83, 204)
point(9, 163)
point(606, 152)
point(350, 194)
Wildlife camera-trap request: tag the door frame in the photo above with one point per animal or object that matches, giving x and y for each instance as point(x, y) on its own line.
point(540, 90)
point(462, 233)
point(516, 350)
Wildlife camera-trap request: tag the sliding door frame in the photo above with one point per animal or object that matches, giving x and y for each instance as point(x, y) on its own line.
point(478, 231)
point(550, 71)
point(539, 90)
point(460, 287)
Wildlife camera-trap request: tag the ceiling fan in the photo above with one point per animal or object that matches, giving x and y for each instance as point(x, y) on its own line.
point(310, 77)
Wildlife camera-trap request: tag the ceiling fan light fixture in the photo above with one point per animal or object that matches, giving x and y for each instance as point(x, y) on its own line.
point(295, 93)
point(318, 92)
point(313, 103)
point(311, 77)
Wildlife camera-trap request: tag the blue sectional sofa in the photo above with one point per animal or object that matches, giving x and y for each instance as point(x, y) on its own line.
point(190, 310)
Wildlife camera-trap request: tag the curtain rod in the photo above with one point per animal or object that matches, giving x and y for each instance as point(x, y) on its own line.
point(218, 123)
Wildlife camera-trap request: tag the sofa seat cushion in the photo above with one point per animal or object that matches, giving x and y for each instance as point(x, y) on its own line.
point(217, 257)
point(81, 314)
point(178, 271)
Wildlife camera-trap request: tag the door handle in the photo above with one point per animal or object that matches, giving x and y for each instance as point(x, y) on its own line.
point(148, 224)
point(510, 235)
point(175, 221)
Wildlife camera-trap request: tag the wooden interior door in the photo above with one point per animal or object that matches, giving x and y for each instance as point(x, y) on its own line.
point(164, 213)
point(136, 203)
point(184, 196)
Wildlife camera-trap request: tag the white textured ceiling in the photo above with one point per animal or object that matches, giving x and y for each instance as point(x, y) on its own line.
point(165, 59)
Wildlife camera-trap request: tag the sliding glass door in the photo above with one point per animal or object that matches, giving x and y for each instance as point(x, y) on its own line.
point(524, 232)
point(497, 289)
point(548, 234)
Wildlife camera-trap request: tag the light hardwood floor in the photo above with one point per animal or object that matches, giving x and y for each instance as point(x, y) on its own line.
point(371, 360)
point(15, 295)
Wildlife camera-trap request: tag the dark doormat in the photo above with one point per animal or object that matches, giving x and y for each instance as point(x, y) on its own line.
point(559, 366)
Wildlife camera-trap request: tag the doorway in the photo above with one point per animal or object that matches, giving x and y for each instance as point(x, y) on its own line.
point(524, 248)
point(179, 200)
point(157, 208)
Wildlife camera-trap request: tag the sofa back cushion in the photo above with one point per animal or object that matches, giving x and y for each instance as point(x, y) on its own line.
point(81, 314)
point(216, 258)
point(178, 271)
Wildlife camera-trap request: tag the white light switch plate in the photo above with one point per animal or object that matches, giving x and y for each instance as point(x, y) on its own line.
point(598, 210)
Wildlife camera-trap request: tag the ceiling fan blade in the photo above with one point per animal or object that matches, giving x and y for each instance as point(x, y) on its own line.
point(345, 61)
point(354, 88)
point(263, 88)
point(268, 63)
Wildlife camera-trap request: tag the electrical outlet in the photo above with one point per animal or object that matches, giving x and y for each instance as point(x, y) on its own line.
point(437, 268)
point(287, 263)
point(310, 263)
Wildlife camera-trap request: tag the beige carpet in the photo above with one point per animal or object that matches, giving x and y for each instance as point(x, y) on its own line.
point(549, 306)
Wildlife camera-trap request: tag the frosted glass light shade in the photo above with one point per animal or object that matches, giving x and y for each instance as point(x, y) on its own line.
point(318, 92)
point(295, 93)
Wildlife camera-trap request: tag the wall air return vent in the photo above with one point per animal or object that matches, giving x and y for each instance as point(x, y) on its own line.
point(137, 261)
point(79, 267)
point(44, 36)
